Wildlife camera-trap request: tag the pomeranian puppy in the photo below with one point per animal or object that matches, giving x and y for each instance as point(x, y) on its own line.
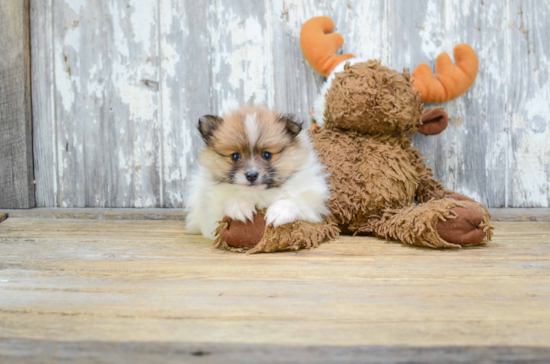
point(255, 159)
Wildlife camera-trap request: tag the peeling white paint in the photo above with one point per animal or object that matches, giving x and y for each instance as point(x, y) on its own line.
point(431, 32)
point(143, 19)
point(531, 157)
point(64, 83)
point(76, 5)
point(241, 55)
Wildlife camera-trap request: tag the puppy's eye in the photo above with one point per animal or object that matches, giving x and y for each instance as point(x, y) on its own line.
point(266, 156)
point(235, 157)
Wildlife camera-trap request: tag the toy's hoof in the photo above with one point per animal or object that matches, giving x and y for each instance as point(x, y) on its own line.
point(466, 228)
point(240, 234)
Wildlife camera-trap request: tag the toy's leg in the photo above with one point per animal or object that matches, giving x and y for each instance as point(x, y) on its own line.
point(255, 237)
point(294, 236)
point(445, 223)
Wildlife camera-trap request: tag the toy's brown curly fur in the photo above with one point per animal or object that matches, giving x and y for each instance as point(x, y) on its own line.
point(418, 225)
point(370, 91)
point(376, 174)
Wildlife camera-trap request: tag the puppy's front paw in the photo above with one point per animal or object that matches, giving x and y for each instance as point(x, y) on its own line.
point(240, 210)
point(282, 212)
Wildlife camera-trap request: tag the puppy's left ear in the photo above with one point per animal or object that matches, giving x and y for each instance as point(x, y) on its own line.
point(207, 125)
point(293, 128)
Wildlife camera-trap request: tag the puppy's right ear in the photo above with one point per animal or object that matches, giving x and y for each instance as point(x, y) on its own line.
point(207, 125)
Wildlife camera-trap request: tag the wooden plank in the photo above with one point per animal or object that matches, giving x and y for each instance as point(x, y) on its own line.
point(16, 161)
point(43, 103)
point(34, 351)
point(147, 281)
point(106, 66)
point(186, 88)
point(240, 34)
point(528, 92)
point(3, 216)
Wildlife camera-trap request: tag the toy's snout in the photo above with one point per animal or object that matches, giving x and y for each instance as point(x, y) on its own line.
point(434, 121)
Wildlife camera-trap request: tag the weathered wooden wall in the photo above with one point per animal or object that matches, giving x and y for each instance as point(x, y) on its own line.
point(16, 162)
point(118, 86)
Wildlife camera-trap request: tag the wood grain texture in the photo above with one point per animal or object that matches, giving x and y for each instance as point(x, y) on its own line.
point(78, 282)
point(142, 73)
point(16, 160)
point(43, 105)
point(17, 351)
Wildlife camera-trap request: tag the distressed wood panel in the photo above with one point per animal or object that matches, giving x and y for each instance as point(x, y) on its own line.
point(528, 95)
point(106, 79)
point(16, 161)
point(119, 130)
point(476, 143)
point(242, 59)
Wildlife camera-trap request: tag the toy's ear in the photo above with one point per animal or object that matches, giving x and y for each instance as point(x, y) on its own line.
point(434, 121)
point(207, 125)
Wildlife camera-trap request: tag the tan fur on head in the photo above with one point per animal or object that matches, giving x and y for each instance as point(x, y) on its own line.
point(265, 141)
point(372, 99)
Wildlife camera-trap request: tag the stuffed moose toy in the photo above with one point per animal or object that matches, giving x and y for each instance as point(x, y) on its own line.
point(366, 115)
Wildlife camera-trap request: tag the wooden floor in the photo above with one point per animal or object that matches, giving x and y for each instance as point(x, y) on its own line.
point(80, 290)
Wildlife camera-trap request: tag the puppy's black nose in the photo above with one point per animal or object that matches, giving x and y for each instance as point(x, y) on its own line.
point(251, 175)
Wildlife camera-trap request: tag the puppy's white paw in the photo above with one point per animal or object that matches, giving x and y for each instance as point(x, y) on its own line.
point(282, 212)
point(241, 210)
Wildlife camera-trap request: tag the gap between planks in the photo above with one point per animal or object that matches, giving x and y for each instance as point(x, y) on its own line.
point(498, 214)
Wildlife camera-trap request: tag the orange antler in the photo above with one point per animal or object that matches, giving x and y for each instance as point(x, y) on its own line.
point(319, 47)
point(450, 80)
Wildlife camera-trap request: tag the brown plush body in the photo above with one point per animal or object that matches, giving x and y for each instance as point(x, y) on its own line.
point(379, 183)
point(376, 175)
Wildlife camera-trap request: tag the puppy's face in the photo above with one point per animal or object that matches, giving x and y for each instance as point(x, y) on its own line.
point(252, 147)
